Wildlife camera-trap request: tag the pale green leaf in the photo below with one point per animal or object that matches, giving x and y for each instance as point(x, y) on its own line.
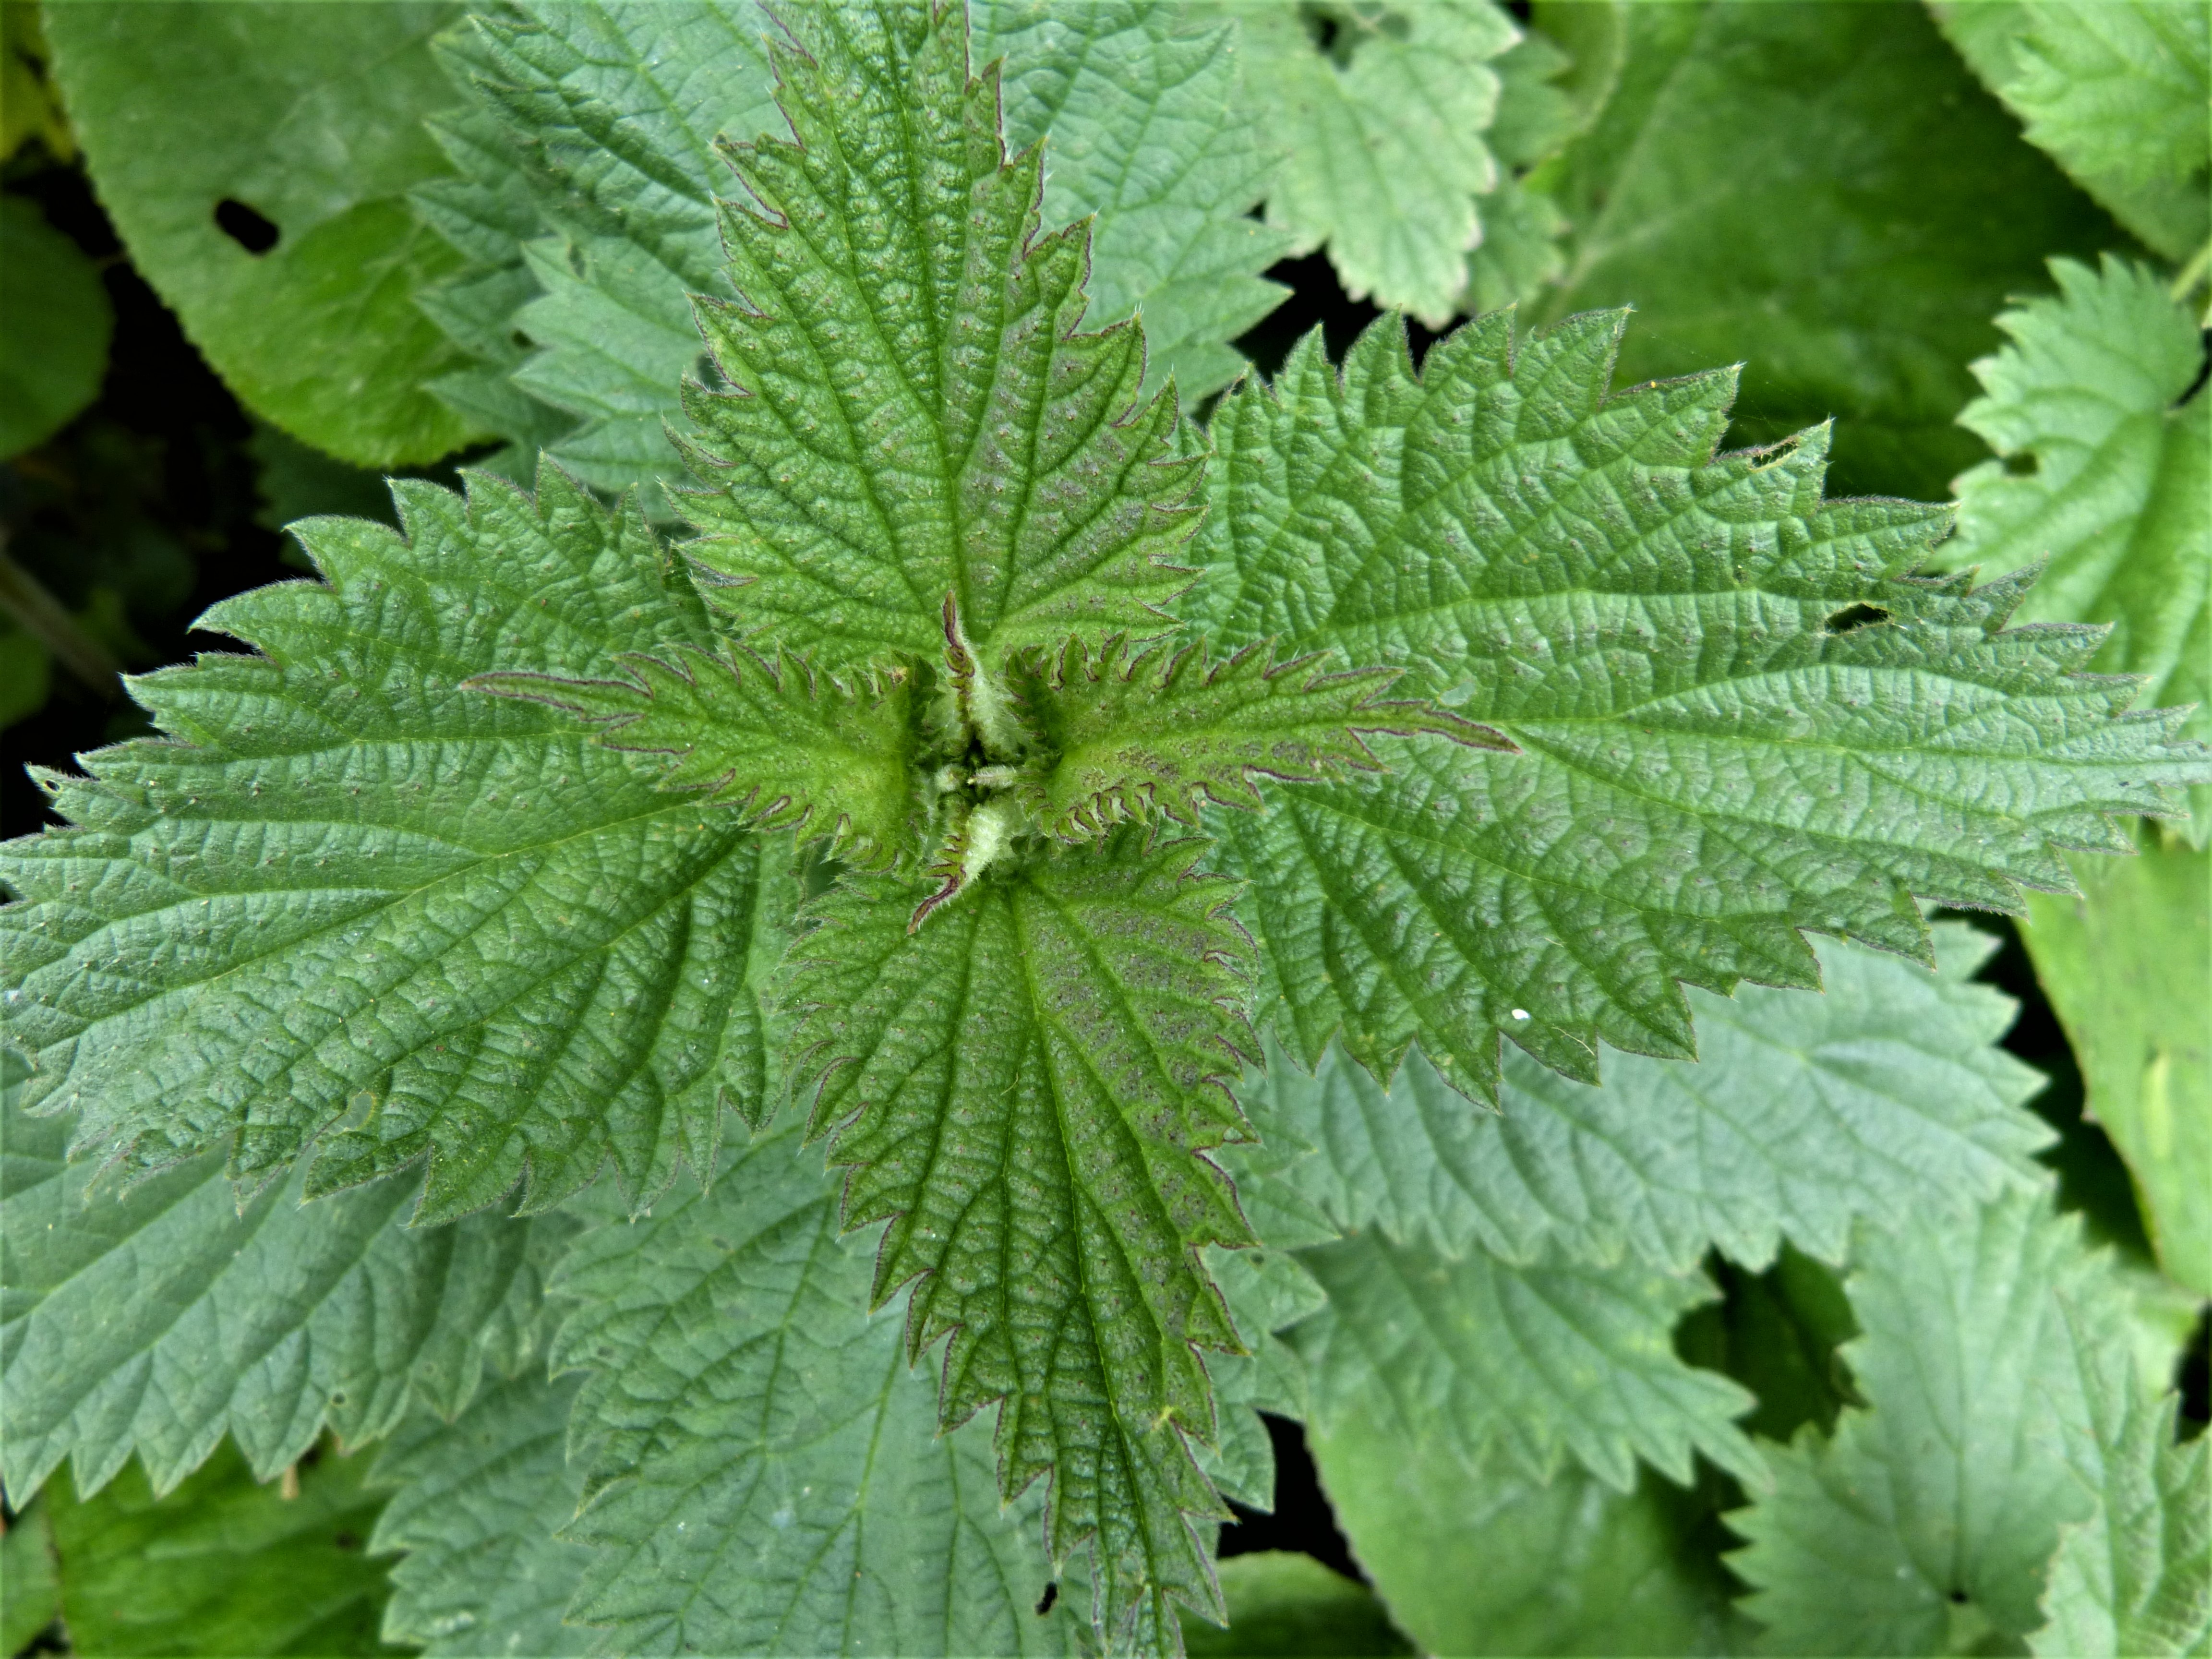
point(2127, 968)
point(1266, 1290)
point(2116, 90)
point(311, 116)
point(2135, 1578)
point(224, 1566)
point(1024, 1084)
point(784, 748)
point(1823, 193)
point(1283, 1604)
point(766, 1473)
point(1925, 1524)
point(1382, 109)
point(1490, 1561)
point(1885, 1097)
point(2106, 474)
point(352, 885)
point(159, 1321)
point(1143, 127)
point(476, 1504)
point(1139, 733)
point(1714, 755)
point(1540, 1362)
point(973, 448)
point(55, 323)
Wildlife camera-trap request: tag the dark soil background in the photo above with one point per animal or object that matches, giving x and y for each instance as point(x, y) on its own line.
point(157, 493)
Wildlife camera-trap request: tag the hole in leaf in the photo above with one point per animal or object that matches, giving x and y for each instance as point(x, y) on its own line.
point(2020, 466)
point(1044, 1602)
point(249, 230)
point(1855, 615)
point(1958, 1598)
point(520, 340)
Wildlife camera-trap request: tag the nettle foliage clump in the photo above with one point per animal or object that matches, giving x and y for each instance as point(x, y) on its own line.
point(1013, 790)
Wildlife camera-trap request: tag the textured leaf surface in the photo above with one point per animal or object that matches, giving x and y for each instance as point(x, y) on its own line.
point(1159, 733)
point(1144, 128)
point(2136, 1576)
point(766, 1472)
point(160, 1322)
point(1025, 1087)
point(971, 445)
point(2106, 473)
point(1713, 756)
point(586, 174)
point(311, 117)
point(1543, 1361)
point(2116, 91)
point(355, 887)
point(1927, 1522)
point(1884, 1097)
point(582, 206)
point(1383, 127)
point(475, 1504)
point(1490, 1561)
point(1759, 188)
point(2127, 968)
point(788, 749)
point(222, 1566)
point(55, 323)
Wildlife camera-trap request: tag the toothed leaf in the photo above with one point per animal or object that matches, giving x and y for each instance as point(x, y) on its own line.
point(1024, 1084)
point(971, 443)
point(1738, 717)
point(1384, 130)
point(1925, 1523)
point(2106, 473)
point(352, 885)
point(157, 1323)
point(764, 1472)
point(2116, 91)
point(1159, 734)
point(785, 748)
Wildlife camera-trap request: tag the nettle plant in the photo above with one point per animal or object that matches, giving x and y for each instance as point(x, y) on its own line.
point(1142, 856)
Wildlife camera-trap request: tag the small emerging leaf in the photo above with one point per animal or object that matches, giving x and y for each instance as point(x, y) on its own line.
point(785, 748)
point(1159, 733)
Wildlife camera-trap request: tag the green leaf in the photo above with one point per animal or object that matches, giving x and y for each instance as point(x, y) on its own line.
point(1025, 1087)
point(784, 749)
point(1143, 127)
point(1761, 187)
point(310, 117)
point(1490, 1561)
point(1283, 1604)
point(1140, 733)
point(34, 1598)
point(2136, 1576)
point(222, 1566)
point(55, 323)
point(1011, 475)
point(1924, 1525)
point(583, 204)
point(355, 885)
point(160, 1322)
point(1383, 110)
point(475, 1505)
point(2128, 968)
point(2106, 473)
point(1884, 1098)
point(1541, 1361)
point(2116, 91)
point(766, 1473)
point(1713, 755)
point(1266, 1290)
